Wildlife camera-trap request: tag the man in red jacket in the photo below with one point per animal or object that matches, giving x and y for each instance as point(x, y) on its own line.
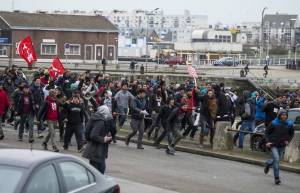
point(4, 104)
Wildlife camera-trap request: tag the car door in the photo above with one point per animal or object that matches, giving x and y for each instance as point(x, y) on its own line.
point(43, 180)
point(77, 178)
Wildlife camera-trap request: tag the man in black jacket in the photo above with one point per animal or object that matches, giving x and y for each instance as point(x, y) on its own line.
point(278, 135)
point(75, 117)
point(174, 124)
point(98, 138)
point(138, 109)
point(162, 118)
point(25, 108)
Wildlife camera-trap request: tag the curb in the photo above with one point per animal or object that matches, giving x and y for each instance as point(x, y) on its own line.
point(216, 155)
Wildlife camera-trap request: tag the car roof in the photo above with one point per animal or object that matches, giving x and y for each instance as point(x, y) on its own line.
point(26, 158)
point(294, 109)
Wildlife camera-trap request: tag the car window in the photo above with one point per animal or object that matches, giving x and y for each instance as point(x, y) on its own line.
point(293, 115)
point(44, 180)
point(10, 178)
point(75, 175)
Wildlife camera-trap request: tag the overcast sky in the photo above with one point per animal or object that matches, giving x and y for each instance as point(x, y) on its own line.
point(225, 11)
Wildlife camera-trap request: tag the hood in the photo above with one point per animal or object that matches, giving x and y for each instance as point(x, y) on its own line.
point(102, 113)
point(280, 112)
point(49, 99)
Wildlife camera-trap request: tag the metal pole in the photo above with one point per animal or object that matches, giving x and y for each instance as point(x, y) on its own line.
point(262, 33)
point(107, 36)
point(146, 42)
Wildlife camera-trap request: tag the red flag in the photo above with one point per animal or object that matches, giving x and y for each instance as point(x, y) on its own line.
point(56, 68)
point(26, 51)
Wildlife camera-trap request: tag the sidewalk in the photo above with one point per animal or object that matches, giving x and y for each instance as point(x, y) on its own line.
point(245, 156)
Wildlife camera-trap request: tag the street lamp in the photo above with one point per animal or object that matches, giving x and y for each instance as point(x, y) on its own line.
point(147, 14)
point(292, 25)
point(262, 32)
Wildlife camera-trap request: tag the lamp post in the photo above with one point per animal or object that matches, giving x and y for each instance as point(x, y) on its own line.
point(262, 32)
point(292, 25)
point(147, 14)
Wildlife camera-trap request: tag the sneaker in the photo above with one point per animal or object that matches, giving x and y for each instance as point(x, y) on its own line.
point(140, 147)
point(169, 151)
point(26, 133)
point(55, 149)
point(45, 147)
point(81, 149)
point(31, 140)
point(20, 139)
point(277, 181)
point(1, 137)
point(40, 135)
point(114, 141)
point(267, 168)
point(66, 148)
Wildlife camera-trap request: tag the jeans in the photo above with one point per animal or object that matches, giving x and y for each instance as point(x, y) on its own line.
point(277, 154)
point(123, 113)
point(99, 166)
point(245, 126)
point(52, 125)
point(154, 125)
point(174, 136)
point(191, 128)
point(26, 118)
point(137, 125)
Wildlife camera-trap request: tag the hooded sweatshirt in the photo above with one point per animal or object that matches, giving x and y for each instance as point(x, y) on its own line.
point(279, 132)
point(52, 110)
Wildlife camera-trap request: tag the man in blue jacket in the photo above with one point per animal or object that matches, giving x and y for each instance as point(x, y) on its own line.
point(279, 133)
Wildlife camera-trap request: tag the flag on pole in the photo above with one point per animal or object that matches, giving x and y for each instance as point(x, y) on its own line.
point(192, 72)
point(26, 51)
point(56, 68)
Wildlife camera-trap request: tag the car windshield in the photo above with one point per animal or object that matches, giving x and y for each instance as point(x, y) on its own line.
point(10, 178)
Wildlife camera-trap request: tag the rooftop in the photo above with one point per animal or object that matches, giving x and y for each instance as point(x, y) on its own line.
point(45, 21)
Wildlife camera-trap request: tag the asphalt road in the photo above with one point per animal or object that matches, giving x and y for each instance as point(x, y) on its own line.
point(152, 171)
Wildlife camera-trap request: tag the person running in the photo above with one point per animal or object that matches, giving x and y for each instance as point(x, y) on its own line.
point(279, 134)
point(138, 108)
point(266, 69)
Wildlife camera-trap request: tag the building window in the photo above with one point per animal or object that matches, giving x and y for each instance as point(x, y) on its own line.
point(73, 50)
point(3, 51)
point(48, 49)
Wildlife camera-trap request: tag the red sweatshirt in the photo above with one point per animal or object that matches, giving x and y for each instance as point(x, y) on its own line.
point(52, 110)
point(4, 102)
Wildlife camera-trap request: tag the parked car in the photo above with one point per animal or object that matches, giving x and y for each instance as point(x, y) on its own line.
point(33, 171)
point(257, 139)
point(226, 61)
point(175, 60)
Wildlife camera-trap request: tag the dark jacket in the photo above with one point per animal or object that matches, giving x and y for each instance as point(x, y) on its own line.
point(38, 94)
point(175, 118)
point(136, 106)
point(75, 114)
point(20, 104)
point(155, 103)
point(278, 132)
point(163, 115)
point(96, 149)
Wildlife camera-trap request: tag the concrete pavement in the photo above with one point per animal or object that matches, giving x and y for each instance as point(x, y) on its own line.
point(151, 170)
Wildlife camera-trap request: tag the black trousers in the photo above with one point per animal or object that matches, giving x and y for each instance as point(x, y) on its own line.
point(191, 128)
point(70, 130)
